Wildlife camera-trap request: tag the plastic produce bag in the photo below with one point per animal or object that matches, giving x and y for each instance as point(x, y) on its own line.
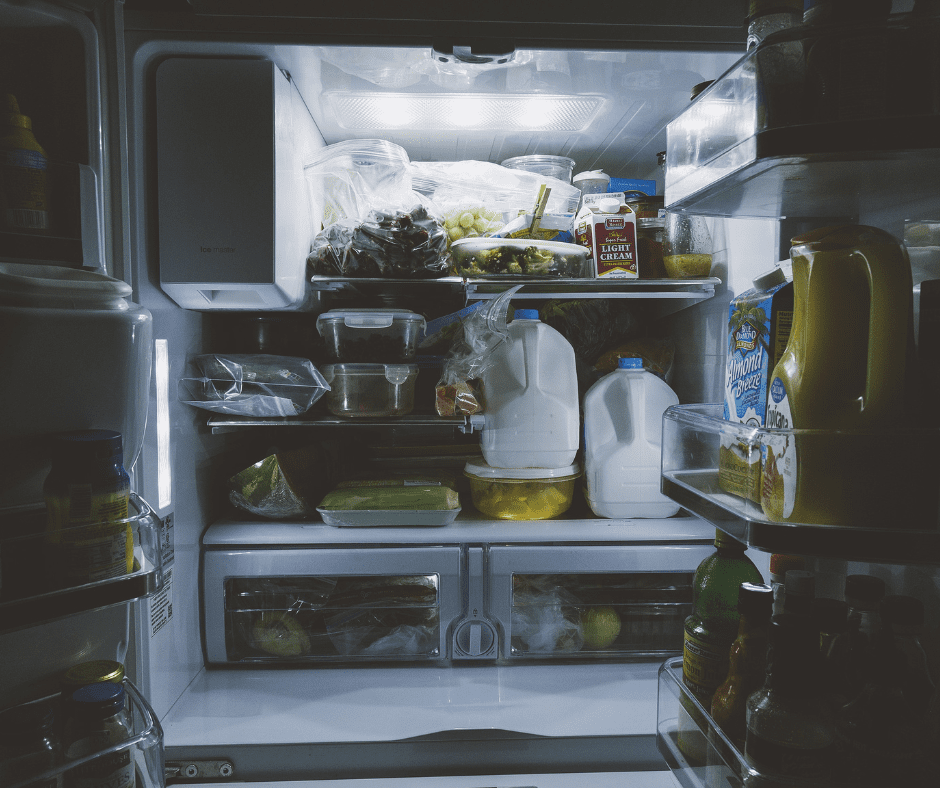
point(477, 198)
point(349, 179)
point(546, 618)
point(482, 330)
point(290, 482)
point(401, 244)
point(253, 385)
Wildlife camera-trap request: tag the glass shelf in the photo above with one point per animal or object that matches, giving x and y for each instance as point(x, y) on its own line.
point(793, 129)
point(221, 424)
point(476, 289)
point(29, 596)
point(693, 437)
point(144, 745)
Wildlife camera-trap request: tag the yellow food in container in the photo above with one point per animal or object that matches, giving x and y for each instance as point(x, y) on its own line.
point(521, 493)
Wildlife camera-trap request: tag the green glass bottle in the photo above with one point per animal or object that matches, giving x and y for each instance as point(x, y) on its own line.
point(709, 632)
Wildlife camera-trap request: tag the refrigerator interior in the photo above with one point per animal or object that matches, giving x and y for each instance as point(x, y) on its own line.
point(376, 720)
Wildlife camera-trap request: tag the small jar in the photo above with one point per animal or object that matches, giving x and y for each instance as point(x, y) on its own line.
point(92, 672)
point(97, 720)
point(87, 492)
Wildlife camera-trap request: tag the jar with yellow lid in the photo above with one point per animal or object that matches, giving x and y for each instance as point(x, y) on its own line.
point(24, 188)
point(93, 672)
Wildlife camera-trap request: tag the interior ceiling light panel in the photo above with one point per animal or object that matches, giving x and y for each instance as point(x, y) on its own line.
point(445, 112)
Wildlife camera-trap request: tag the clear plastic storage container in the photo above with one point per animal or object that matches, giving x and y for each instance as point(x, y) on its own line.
point(385, 336)
point(370, 390)
point(521, 493)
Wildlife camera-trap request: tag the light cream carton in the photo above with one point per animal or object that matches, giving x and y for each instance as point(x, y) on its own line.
point(606, 225)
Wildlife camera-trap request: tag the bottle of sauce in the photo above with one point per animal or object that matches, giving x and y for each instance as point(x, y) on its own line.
point(97, 721)
point(709, 632)
point(24, 187)
point(790, 733)
point(844, 370)
point(747, 662)
point(87, 494)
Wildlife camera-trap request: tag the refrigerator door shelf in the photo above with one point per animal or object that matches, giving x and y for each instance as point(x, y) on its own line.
point(898, 500)
point(29, 597)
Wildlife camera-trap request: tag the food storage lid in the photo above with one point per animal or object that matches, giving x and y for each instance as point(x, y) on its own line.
point(591, 175)
point(394, 373)
point(371, 318)
point(56, 287)
point(484, 470)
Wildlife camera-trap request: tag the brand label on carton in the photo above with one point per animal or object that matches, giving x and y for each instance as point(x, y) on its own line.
point(759, 323)
point(611, 238)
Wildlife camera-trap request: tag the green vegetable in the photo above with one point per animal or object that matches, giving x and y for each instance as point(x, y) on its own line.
point(399, 497)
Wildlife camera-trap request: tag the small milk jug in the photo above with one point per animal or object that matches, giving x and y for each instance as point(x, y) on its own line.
point(532, 418)
point(623, 432)
point(837, 395)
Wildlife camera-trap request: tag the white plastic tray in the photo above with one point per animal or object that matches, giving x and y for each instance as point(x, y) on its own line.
point(366, 518)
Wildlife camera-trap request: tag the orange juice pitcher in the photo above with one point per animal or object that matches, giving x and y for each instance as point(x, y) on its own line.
point(841, 380)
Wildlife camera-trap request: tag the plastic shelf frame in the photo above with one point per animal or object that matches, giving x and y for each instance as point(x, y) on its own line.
point(29, 597)
point(692, 439)
point(144, 745)
point(813, 122)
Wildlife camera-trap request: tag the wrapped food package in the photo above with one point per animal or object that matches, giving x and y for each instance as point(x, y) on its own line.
point(288, 483)
point(391, 495)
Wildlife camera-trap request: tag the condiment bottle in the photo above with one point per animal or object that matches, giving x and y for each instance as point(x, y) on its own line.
point(780, 564)
point(800, 592)
point(710, 630)
point(747, 662)
point(903, 617)
point(97, 721)
point(30, 746)
point(830, 617)
point(884, 736)
point(23, 173)
point(790, 732)
point(87, 494)
point(863, 595)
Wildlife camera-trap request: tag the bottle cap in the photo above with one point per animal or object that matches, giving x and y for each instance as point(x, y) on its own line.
point(755, 600)
point(864, 589)
point(103, 698)
point(93, 672)
point(725, 540)
point(781, 562)
point(631, 362)
point(88, 445)
point(608, 206)
point(526, 314)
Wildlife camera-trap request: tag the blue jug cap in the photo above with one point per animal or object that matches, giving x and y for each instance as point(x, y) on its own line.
point(630, 363)
point(526, 314)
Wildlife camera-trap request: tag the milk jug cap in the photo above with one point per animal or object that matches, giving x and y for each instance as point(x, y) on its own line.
point(526, 314)
point(630, 363)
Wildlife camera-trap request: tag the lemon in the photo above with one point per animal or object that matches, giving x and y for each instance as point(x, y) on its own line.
point(600, 626)
point(280, 634)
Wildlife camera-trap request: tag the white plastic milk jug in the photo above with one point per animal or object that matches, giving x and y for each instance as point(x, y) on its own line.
point(623, 432)
point(532, 418)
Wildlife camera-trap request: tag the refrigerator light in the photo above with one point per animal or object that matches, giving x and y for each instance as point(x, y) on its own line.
point(162, 380)
point(379, 111)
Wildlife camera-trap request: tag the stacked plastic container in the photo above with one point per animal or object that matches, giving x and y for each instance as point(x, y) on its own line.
point(531, 433)
point(374, 353)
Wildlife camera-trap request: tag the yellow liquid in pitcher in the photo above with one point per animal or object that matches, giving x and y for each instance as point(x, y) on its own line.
point(841, 377)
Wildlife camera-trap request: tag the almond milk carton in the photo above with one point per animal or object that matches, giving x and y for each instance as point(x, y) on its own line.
point(606, 225)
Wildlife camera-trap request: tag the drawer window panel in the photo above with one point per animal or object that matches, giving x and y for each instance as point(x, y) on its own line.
point(310, 618)
point(635, 614)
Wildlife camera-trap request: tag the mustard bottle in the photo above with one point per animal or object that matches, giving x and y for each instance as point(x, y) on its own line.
point(843, 374)
point(24, 191)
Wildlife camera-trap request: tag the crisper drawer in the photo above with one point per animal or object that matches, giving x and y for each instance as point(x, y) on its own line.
point(592, 601)
point(303, 605)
